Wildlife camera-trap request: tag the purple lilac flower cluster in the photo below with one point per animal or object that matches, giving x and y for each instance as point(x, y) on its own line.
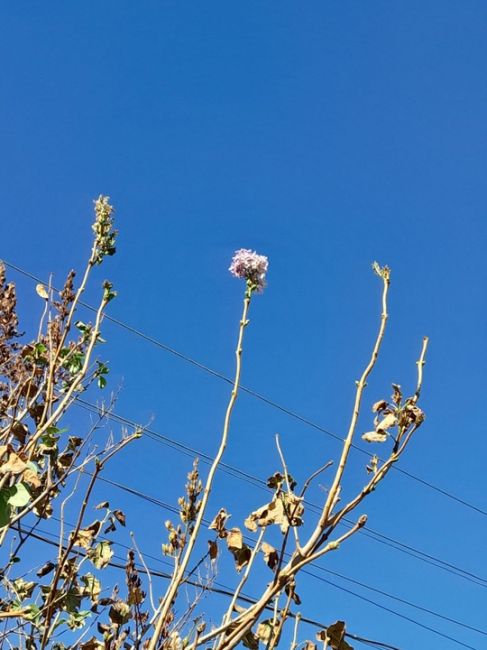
point(252, 267)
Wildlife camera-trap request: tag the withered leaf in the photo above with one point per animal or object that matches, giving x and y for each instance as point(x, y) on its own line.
point(309, 645)
point(379, 406)
point(101, 554)
point(374, 436)
point(335, 635)
point(23, 589)
point(74, 442)
point(240, 551)
point(20, 431)
point(271, 557)
point(290, 590)
point(397, 394)
point(42, 291)
point(277, 480)
point(30, 477)
point(284, 510)
point(103, 505)
point(119, 613)
point(92, 587)
point(414, 414)
point(266, 630)
point(251, 641)
point(92, 644)
point(212, 549)
point(389, 421)
point(14, 465)
point(85, 536)
point(45, 569)
point(218, 523)
point(119, 516)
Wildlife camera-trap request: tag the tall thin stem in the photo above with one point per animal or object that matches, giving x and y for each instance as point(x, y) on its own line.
point(172, 591)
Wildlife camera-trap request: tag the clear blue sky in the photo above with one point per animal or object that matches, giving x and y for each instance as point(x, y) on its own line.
point(325, 135)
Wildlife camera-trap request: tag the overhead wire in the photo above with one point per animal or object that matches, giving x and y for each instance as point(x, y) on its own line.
point(257, 482)
point(315, 565)
point(221, 589)
point(289, 412)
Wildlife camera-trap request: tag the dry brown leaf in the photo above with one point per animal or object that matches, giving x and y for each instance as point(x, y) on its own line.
point(335, 636)
point(397, 394)
point(240, 551)
point(42, 291)
point(85, 536)
point(374, 436)
point(379, 406)
point(271, 557)
point(389, 421)
point(30, 477)
point(14, 465)
point(309, 645)
point(218, 523)
point(284, 510)
point(212, 549)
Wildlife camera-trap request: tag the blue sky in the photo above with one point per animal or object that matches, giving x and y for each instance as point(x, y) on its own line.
point(325, 135)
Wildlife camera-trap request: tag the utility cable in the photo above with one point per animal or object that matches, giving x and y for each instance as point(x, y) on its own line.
point(254, 393)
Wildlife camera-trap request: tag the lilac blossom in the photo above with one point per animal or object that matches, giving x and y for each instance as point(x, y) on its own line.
point(252, 267)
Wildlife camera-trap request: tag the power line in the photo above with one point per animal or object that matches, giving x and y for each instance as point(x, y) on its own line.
point(175, 510)
point(220, 589)
point(256, 482)
point(228, 592)
point(255, 394)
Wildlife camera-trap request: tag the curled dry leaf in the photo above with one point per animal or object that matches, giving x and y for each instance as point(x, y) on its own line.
point(42, 291)
point(396, 394)
point(373, 465)
point(284, 510)
point(45, 569)
point(266, 631)
point(271, 557)
point(92, 644)
point(309, 645)
point(277, 480)
point(414, 414)
point(119, 613)
point(379, 406)
point(290, 590)
point(389, 421)
point(335, 636)
point(212, 549)
point(251, 641)
point(218, 523)
point(30, 477)
point(374, 436)
point(85, 536)
point(119, 516)
point(240, 551)
point(14, 465)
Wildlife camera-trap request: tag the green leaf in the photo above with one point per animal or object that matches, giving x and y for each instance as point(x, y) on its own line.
point(23, 589)
point(5, 510)
point(19, 496)
point(77, 620)
point(101, 555)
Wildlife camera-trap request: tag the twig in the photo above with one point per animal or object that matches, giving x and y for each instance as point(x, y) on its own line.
point(290, 516)
point(148, 573)
point(174, 585)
